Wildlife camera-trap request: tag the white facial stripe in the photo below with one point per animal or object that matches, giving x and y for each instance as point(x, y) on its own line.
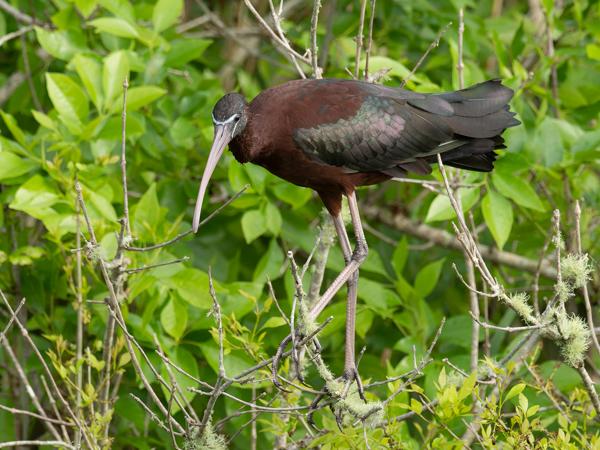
point(224, 122)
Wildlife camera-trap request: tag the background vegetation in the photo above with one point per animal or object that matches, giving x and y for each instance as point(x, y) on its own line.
point(63, 64)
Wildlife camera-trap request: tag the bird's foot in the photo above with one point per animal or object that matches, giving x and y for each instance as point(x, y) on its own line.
point(351, 375)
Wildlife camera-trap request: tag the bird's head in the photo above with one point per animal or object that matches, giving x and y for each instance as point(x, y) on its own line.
point(229, 119)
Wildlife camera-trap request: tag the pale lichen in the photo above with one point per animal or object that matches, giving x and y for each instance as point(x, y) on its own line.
point(210, 440)
point(576, 335)
point(519, 302)
point(576, 269)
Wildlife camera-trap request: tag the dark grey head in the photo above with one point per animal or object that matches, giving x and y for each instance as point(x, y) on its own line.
point(231, 109)
point(229, 119)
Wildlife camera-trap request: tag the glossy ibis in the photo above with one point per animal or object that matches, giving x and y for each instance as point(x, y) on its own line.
point(334, 135)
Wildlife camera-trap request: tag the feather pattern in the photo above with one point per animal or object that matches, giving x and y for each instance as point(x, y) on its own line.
point(395, 131)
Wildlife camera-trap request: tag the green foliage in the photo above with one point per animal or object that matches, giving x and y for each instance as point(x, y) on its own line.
point(65, 122)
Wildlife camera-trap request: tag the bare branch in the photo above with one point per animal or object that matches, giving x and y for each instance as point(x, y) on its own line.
point(434, 44)
point(188, 232)
point(359, 38)
point(314, 57)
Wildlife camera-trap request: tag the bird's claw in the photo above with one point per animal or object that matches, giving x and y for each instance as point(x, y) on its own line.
point(349, 377)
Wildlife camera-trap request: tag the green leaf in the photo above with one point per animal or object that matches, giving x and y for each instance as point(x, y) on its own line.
point(593, 51)
point(116, 27)
point(68, 99)
point(253, 225)
point(174, 317)
point(86, 7)
point(235, 362)
point(24, 256)
point(14, 129)
point(119, 8)
point(147, 214)
point(114, 73)
point(273, 219)
point(400, 256)
point(138, 97)
point(498, 215)
point(192, 286)
point(295, 196)
point(274, 322)
point(11, 166)
point(36, 197)
point(102, 205)
point(428, 276)
point(270, 263)
point(60, 44)
point(90, 73)
point(441, 208)
point(166, 13)
point(44, 120)
point(466, 390)
point(518, 190)
point(185, 50)
point(515, 390)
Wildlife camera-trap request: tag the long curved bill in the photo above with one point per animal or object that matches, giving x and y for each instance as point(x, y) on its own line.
point(222, 137)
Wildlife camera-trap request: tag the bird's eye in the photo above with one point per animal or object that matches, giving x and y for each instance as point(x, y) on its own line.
point(237, 118)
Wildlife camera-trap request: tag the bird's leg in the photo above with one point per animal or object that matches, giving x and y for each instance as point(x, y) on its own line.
point(350, 370)
point(357, 257)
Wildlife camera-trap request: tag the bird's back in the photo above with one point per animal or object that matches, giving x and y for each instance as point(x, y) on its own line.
point(365, 127)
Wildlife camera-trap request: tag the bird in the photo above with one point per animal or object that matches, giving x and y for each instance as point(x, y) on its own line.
point(334, 135)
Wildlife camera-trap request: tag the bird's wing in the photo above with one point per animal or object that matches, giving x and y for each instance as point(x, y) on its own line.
point(385, 132)
point(393, 132)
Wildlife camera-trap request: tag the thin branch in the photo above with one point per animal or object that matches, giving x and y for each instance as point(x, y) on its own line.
point(188, 232)
point(154, 266)
point(15, 34)
point(435, 43)
point(507, 329)
point(36, 444)
point(314, 57)
point(586, 295)
point(370, 39)
point(359, 38)
point(124, 164)
point(461, 31)
point(446, 240)
point(18, 15)
point(37, 416)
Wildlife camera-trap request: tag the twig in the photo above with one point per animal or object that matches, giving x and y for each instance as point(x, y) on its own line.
point(115, 310)
point(188, 232)
point(283, 44)
point(30, 392)
point(18, 15)
point(461, 31)
point(15, 34)
point(507, 329)
point(154, 266)
point(36, 444)
point(370, 39)
point(37, 416)
point(434, 44)
point(152, 415)
point(359, 38)
point(27, 337)
point(584, 288)
point(447, 240)
point(314, 57)
point(127, 237)
point(79, 295)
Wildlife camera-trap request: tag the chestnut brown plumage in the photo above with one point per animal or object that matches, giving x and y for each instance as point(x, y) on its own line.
point(334, 135)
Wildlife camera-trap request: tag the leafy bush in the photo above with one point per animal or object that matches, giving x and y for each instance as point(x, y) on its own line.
point(61, 102)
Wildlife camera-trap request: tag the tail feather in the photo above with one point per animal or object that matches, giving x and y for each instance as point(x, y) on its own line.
point(481, 114)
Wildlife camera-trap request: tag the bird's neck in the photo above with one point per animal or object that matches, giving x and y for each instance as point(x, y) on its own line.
point(240, 147)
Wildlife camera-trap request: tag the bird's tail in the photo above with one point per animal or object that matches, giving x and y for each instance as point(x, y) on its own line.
point(481, 114)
